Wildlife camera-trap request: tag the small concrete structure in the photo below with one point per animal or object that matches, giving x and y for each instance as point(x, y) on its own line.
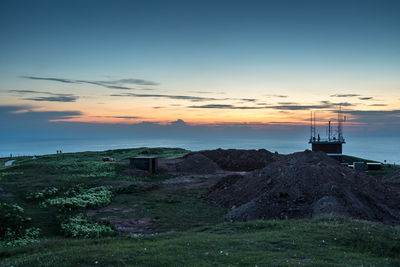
point(358, 166)
point(149, 164)
point(374, 166)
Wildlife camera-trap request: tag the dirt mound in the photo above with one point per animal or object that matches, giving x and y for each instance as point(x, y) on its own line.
point(194, 163)
point(136, 173)
point(304, 185)
point(239, 159)
point(392, 177)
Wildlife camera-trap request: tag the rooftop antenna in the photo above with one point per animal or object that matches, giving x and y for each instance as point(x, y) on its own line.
point(341, 120)
point(312, 126)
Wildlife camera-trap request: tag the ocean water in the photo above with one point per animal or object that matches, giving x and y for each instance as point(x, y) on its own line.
point(374, 148)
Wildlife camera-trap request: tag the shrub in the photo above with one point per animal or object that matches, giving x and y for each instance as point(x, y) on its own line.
point(31, 235)
point(14, 224)
point(12, 220)
point(42, 194)
point(80, 226)
point(80, 198)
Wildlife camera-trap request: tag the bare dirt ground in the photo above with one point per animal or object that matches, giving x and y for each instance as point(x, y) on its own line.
point(257, 184)
point(304, 185)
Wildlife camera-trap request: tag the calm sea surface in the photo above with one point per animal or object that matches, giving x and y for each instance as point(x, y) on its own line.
point(366, 147)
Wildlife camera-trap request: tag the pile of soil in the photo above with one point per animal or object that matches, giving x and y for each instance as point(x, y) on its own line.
point(393, 177)
point(304, 185)
point(239, 159)
point(193, 163)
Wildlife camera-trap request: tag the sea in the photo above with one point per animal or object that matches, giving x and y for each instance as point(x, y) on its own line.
point(375, 148)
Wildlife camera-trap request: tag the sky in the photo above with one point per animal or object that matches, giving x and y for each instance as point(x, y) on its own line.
point(222, 64)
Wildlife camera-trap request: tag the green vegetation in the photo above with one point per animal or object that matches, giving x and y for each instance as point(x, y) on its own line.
point(327, 241)
point(14, 226)
point(80, 226)
point(79, 210)
point(79, 198)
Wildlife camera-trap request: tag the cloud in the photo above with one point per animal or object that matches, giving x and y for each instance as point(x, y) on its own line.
point(51, 97)
point(365, 98)
point(49, 79)
point(113, 84)
point(345, 95)
point(377, 105)
point(59, 98)
point(25, 116)
point(7, 109)
point(281, 106)
point(132, 81)
point(180, 97)
point(178, 122)
point(279, 96)
point(28, 92)
point(121, 117)
point(395, 112)
point(248, 99)
point(118, 87)
point(220, 106)
point(207, 92)
point(302, 107)
point(287, 103)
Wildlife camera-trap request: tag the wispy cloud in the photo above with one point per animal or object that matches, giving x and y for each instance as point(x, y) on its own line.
point(395, 112)
point(377, 105)
point(278, 96)
point(28, 92)
point(248, 99)
point(29, 115)
point(49, 96)
point(366, 98)
point(112, 84)
point(179, 97)
point(121, 117)
point(220, 106)
point(345, 95)
point(59, 98)
point(207, 92)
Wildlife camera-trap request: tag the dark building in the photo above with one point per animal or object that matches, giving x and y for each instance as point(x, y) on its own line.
point(149, 164)
point(332, 144)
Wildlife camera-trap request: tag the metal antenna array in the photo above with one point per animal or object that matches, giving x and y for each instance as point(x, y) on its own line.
point(341, 120)
point(330, 136)
point(312, 125)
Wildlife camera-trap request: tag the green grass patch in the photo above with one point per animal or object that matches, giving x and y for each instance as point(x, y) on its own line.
point(327, 241)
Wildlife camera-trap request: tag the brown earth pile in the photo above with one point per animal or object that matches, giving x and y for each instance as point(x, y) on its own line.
point(239, 159)
point(303, 185)
point(194, 163)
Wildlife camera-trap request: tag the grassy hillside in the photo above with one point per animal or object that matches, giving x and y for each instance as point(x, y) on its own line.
point(328, 241)
point(168, 225)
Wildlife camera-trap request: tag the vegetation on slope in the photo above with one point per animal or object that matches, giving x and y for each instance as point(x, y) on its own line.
point(327, 241)
point(70, 197)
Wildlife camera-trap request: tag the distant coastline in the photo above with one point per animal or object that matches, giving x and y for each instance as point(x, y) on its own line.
point(379, 149)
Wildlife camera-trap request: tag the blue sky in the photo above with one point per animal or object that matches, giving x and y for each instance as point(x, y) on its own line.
point(266, 63)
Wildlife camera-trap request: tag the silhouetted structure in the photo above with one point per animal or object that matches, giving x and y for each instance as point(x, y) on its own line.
point(149, 164)
point(332, 145)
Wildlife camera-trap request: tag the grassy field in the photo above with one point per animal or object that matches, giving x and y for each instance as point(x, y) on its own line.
point(327, 241)
point(171, 225)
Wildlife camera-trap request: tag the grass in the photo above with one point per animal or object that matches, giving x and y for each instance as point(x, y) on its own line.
point(327, 241)
point(183, 229)
point(67, 170)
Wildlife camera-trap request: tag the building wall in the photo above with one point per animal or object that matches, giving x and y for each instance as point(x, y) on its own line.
point(328, 148)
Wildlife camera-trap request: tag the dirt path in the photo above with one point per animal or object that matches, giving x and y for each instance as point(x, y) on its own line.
point(9, 163)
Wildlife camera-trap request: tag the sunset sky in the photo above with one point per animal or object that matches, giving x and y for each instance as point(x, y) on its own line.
point(204, 62)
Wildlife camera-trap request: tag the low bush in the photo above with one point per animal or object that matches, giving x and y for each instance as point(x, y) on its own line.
point(42, 194)
point(14, 225)
point(81, 227)
point(30, 235)
point(79, 198)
